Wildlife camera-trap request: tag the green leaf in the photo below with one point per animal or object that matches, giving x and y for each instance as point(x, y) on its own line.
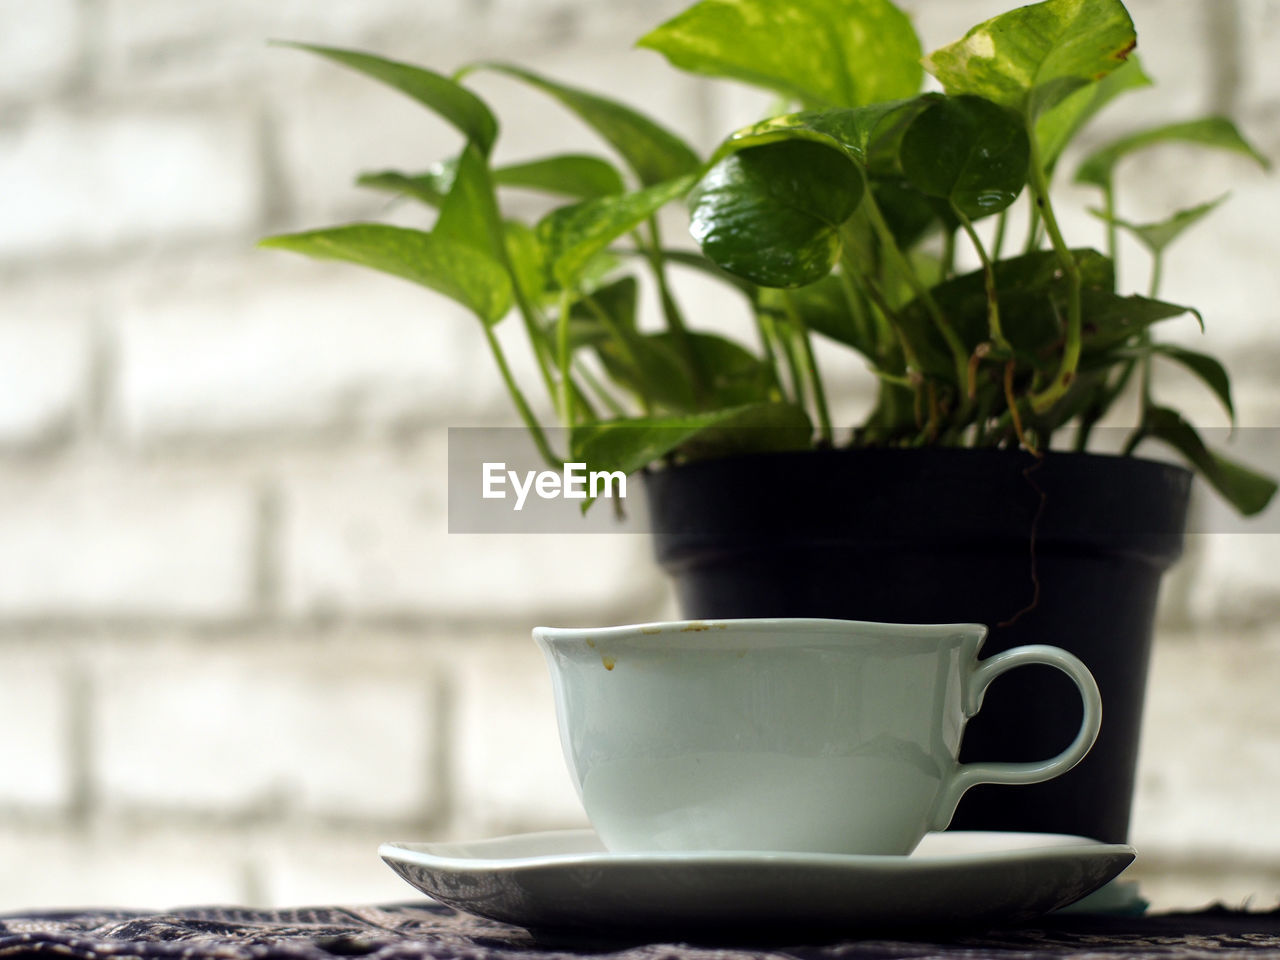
point(1059, 125)
point(1245, 489)
point(772, 213)
point(1217, 132)
point(655, 154)
point(907, 211)
point(469, 213)
point(861, 132)
point(824, 308)
point(1087, 389)
point(821, 52)
point(570, 174)
point(1210, 371)
point(452, 101)
point(1206, 368)
point(430, 187)
point(649, 367)
point(696, 260)
point(573, 235)
point(1032, 291)
point(467, 275)
point(736, 376)
point(654, 366)
point(528, 265)
point(1156, 236)
point(1034, 57)
point(969, 152)
point(599, 271)
point(618, 300)
point(628, 445)
point(1111, 320)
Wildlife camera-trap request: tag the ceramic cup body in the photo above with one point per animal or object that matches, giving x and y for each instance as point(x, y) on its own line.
point(798, 735)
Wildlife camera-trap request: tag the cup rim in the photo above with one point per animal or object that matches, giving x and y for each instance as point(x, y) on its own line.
point(809, 627)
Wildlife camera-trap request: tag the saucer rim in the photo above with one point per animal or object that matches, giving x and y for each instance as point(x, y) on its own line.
point(1054, 847)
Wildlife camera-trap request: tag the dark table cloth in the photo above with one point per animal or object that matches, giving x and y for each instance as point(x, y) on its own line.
point(425, 931)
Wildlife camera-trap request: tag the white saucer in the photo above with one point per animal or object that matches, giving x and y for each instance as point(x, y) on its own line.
point(565, 880)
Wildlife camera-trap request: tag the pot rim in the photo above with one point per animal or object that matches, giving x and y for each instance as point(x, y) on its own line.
point(1122, 461)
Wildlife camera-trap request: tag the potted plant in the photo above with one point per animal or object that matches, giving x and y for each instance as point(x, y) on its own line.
point(843, 217)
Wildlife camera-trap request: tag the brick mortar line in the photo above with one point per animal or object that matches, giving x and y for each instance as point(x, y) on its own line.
point(1225, 49)
point(266, 563)
point(20, 632)
point(1221, 862)
point(79, 754)
point(179, 248)
point(143, 820)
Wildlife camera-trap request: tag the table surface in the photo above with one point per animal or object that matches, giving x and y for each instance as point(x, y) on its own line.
point(426, 930)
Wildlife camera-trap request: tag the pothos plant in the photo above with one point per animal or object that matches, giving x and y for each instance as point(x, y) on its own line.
point(839, 217)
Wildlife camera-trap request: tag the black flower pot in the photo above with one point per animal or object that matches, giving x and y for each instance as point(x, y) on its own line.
point(1067, 551)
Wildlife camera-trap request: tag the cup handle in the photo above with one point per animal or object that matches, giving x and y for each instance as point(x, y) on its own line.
point(966, 775)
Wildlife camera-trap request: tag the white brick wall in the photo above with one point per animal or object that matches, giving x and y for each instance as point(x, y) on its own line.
point(245, 728)
point(266, 343)
point(35, 713)
point(38, 53)
point(92, 181)
point(507, 765)
point(237, 645)
point(1260, 21)
point(45, 357)
point(369, 537)
point(1210, 733)
point(85, 538)
point(150, 867)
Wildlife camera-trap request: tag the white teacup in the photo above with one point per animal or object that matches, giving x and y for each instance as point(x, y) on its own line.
point(831, 736)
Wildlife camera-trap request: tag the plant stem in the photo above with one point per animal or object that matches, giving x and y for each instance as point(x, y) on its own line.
point(958, 353)
point(770, 329)
point(1011, 399)
point(671, 312)
point(793, 366)
point(1144, 365)
point(1071, 349)
point(1139, 434)
point(863, 325)
point(1144, 380)
point(624, 346)
point(989, 278)
point(881, 302)
point(766, 344)
point(1002, 221)
point(528, 313)
point(598, 389)
point(563, 356)
point(1113, 233)
point(1033, 230)
point(931, 427)
point(898, 380)
point(872, 328)
point(980, 419)
point(815, 378)
point(948, 253)
point(537, 339)
point(530, 422)
point(1100, 406)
